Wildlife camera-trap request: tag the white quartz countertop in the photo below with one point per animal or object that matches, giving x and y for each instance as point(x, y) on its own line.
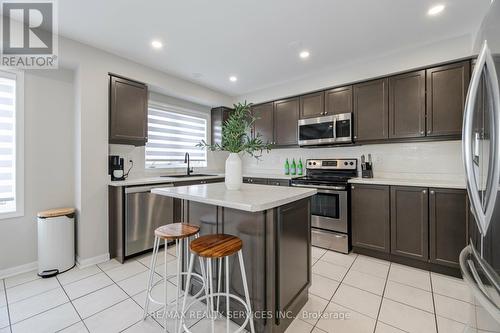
point(159, 180)
point(167, 179)
point(438, 183)
point(250, 198)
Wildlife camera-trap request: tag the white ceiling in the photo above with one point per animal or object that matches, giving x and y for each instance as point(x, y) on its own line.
point(259, 40)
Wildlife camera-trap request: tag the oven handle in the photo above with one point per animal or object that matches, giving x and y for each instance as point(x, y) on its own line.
point(335, 188)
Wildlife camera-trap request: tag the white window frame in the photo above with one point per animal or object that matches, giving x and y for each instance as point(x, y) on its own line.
point(187, 112)
point(19, 140)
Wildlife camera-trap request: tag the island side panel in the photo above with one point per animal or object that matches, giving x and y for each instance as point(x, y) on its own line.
point(250, 227)
point(293, 261)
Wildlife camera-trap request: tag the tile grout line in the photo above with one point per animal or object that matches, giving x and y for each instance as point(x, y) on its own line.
point(433, 303)
point(7, 305)
point(336, 289)
point(81, 319)
point(382, 298)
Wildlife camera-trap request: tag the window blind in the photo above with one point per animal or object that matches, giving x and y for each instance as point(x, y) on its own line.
point(7, 143)
point(170, 135)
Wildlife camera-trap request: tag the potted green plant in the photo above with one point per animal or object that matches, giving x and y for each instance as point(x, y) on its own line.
point(237, 139)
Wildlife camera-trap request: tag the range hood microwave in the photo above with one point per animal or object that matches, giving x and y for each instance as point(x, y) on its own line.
point(327, 130)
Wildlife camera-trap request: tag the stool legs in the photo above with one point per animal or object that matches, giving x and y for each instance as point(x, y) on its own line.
point(227, 294)
point(245, 287)
point(151, 275)
point(188, 281)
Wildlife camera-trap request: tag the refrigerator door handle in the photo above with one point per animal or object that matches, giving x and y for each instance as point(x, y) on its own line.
point(492, 182)
point(483, 215)
point(467, 137)
point(477, 288)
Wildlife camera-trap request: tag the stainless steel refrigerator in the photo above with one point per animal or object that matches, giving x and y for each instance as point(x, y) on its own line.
point(480, 260)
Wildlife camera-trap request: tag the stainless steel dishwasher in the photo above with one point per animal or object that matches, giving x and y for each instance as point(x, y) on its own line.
point(144, 212)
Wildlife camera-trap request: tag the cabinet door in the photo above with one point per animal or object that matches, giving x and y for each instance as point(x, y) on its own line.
point(219, 116)
point(312, 105)
point(128, 112)
point(446, 92)
point(448, 218)
point(370, 212)
point(409, 222)
point(338, 100)
point(371, 110)
point(407, 105)
point(264, 121)
point(286, 117)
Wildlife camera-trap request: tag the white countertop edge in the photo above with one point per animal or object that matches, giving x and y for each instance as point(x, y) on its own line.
point(458, 184)
point(301, 194)
point(166, 179)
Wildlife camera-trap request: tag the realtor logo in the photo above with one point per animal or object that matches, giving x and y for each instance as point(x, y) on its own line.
point(29, 36)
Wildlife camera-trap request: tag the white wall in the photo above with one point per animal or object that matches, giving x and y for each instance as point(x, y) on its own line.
point(426, 160)
point(366, 68)
point(49, 161)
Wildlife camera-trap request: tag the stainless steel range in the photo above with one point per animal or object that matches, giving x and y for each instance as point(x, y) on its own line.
point(330, 218)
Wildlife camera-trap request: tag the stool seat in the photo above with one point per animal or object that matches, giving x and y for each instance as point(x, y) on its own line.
point(175, 231)
point(216, 245)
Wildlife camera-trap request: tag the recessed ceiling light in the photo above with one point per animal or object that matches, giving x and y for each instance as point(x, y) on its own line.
point(304, 54)
point(233, 78)
point(156, 44)
point(435, 10)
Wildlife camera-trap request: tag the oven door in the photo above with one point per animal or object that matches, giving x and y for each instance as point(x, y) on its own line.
point(316, 131)
point(329, 210)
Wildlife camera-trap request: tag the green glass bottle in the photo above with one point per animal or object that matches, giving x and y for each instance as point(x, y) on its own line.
point(287, 167)
point(293, 170)
point(300, 168)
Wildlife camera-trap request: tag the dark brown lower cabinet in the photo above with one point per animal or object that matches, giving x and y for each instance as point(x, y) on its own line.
point(409, 222)
point(448, 222)
point(371, 217)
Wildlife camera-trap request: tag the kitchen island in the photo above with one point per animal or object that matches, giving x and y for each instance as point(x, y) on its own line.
point(274, 225)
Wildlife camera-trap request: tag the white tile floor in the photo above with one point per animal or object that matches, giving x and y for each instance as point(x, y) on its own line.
point(373, 296)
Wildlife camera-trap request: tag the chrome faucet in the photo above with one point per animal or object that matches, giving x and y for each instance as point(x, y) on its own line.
point(186, 160)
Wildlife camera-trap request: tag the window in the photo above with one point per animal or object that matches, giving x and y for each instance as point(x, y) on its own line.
point(171, 133)
point(11, 145)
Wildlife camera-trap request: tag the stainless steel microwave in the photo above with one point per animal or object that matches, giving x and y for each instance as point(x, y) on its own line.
point(325, 130)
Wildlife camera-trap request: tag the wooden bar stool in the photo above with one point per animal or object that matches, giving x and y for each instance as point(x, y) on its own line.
point(217, 246)
point(181, 233)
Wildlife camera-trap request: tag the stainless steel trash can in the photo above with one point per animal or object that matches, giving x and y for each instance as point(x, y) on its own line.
point(56, 241)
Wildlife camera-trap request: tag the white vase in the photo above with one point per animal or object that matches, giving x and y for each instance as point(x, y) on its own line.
point(234, 176)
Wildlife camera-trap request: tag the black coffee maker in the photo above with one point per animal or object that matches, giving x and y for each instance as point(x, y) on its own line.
point(116, 167)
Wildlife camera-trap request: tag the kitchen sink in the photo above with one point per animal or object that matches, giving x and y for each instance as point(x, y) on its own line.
point(188, 176)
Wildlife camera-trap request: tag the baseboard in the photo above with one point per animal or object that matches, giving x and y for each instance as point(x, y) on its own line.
point(5, 273)
point(82, 263)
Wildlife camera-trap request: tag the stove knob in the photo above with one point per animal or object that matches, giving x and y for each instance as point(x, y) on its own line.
point(345, 163)
point(352, 163)
point(310, 163)
point(314, 163)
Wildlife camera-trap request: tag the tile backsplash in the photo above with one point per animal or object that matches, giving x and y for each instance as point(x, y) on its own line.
point(441, 159)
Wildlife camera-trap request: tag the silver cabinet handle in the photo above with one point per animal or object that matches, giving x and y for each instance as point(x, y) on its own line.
point(352, 187)
point(422, 132)
point(432, 192)
point(355, 136)
point(424, 191)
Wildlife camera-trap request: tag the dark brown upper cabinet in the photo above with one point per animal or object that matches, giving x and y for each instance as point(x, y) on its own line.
point(446, 92)
point(312, 105)
point(448, 222)
point(371, 110)
point(409, 222)
point(407, 105)
point(128, 111)
point(286, 117)
point(338, 100)
point(371, 217)
point(219, 115)
point(264, 123)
